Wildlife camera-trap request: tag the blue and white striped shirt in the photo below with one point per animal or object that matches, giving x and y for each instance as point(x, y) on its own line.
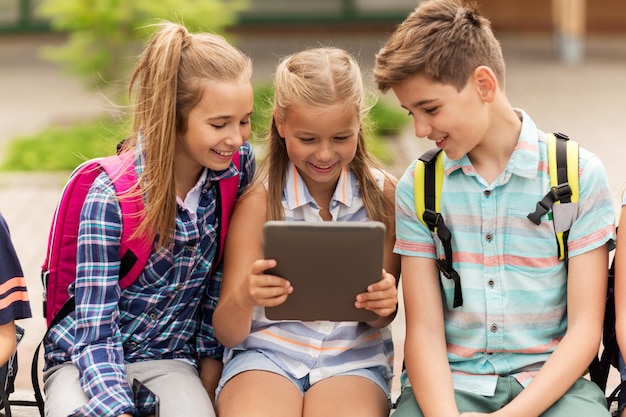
point(514, 286)
point(320, 349)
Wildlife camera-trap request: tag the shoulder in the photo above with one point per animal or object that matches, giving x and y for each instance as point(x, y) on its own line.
point(254, 199)
point(247, 164)
point(251, 209)
point(4, 228)
point(246, 152)
point(389, 186)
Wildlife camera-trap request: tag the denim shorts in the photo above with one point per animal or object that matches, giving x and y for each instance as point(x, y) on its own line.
point(254, 360)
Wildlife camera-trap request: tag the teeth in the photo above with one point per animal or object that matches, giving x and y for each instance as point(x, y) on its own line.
point(223, 153)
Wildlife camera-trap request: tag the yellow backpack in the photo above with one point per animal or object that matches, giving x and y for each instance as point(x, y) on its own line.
point(563, 170)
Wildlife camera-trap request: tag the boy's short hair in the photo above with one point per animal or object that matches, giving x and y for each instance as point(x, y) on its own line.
point(443, 40)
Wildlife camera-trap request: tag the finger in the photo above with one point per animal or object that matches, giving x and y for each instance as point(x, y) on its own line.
point(271, 296)
point(259, 266)
point(390, 293)
point(386, 281)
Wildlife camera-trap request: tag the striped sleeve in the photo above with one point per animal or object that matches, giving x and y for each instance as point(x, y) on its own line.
point(14, 302)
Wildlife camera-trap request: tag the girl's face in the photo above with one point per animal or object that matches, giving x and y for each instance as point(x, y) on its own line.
point(320, 141)
point(216, 127)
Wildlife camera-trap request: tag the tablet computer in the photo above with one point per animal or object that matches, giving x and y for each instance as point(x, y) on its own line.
point(327, 263)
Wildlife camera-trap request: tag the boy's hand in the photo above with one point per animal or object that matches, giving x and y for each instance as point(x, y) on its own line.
point(262, 289)
point(381, 297)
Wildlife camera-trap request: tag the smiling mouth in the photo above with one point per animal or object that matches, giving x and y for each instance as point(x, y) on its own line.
point(323, 168)
point(222, 153)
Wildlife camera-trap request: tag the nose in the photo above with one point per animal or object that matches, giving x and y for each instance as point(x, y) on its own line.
point(239, 135)
point(421, 126)
point(324, 151)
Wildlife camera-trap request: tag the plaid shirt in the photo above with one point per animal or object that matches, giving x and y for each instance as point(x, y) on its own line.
point(165, 314)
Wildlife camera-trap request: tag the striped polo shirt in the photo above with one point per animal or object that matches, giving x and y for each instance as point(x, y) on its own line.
point(320, 349)
point(14, 303)
point(514, 286)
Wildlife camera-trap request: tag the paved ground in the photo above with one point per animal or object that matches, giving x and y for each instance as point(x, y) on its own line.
point(587, 101)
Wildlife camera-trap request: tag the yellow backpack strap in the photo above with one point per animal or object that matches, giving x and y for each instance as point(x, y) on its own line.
point(428, 183)
point(564, 191)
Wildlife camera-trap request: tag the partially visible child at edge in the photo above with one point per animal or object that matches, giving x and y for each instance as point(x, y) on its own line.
point(14, 304)
point(193, 101)
point(529, 325)
point(317, 169)
point(620, 299)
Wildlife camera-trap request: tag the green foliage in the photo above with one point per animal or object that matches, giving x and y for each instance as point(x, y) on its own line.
point(383, 118)
point(104, 36)
point(64, 148)
point(262, 116)
point(387, 120)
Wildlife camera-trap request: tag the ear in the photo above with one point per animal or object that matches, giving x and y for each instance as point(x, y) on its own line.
point(486, 83)
point(279, 125)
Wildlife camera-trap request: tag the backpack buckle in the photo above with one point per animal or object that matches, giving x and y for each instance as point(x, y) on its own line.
point(561, 191)
point(455, 277)
point(431, 217)
point(557, 193)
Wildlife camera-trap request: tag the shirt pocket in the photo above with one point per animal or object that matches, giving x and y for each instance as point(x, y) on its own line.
point(527, 246)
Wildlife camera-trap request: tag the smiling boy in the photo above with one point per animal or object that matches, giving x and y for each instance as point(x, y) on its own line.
point(529, 324)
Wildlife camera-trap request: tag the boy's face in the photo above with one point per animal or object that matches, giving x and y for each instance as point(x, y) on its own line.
point(454, 120)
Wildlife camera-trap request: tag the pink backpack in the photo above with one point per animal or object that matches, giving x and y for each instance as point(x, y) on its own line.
point(59, 267)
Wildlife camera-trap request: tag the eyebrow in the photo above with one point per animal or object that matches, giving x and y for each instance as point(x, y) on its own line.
point(311, 133)
point(227, 117)
point(423, 102)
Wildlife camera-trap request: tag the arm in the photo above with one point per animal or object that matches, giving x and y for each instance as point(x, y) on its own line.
point(98, 352)
point(8, 342)
point(12, 291)
point(586, 292)
point(207, 344)
point(425, 352)
point(244, 285)
point(382, 297)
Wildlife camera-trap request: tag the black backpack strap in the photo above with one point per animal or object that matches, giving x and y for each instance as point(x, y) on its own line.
point(436, 224)
point(67, 308)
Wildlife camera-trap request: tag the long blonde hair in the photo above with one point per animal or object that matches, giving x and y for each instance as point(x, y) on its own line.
point(320, 77)
point(168, 84)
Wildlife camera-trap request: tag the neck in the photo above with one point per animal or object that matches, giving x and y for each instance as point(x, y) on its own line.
point(492, 155)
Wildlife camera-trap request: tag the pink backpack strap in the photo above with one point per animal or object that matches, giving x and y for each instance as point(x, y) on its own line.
point(60, 259)
point(134, 251)
point(228, 196)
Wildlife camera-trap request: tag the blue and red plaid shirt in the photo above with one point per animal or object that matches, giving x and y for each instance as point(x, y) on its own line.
point(165, 314)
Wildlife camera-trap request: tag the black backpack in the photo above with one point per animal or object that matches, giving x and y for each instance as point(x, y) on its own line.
point(602, 363)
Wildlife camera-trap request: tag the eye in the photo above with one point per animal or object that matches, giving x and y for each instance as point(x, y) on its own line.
point(431, 110)
point(306, 140)
point(245, 122)
point(219, 126)
point(342, 138)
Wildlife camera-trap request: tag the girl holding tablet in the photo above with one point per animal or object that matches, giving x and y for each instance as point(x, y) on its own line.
point(317, 169)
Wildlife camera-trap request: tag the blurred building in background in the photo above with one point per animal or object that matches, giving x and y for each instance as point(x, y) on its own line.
point(598, 16)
